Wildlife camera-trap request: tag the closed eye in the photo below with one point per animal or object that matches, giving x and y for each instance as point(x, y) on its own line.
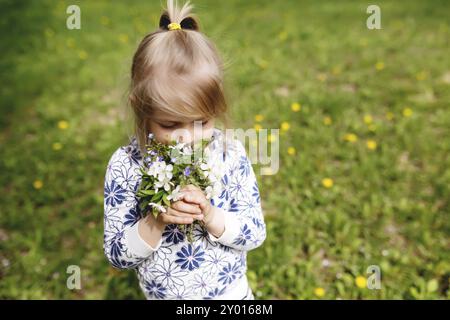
point(168, 125)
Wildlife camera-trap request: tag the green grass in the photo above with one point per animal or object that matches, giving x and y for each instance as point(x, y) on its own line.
point(387, 207)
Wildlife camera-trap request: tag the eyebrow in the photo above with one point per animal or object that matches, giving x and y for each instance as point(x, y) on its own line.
point(172, 121)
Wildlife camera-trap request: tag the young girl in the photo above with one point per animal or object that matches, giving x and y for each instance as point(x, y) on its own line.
point(176, 80)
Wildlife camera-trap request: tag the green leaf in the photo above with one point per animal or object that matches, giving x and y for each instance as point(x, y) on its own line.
point(147, 192)
point(158, 196)
point(165, 200)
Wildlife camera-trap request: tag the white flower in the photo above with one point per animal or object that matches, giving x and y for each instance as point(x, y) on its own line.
point(156, 168)
point(163, 184)
point(187, 151)
point(158, 207)
point(178, 146)
point(206, 153)
point(213, 170)
point(163, 173)
point(213, 190)
point(204, 166)
point(175, 195)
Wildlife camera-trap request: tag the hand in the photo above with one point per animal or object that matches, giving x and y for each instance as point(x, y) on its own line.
point(193, 195)
point(181, 212)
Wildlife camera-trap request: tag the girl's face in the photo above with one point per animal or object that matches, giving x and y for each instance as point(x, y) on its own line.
point(167, 128)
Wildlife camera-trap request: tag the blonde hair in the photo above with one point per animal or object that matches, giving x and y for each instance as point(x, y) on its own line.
point(178, 72)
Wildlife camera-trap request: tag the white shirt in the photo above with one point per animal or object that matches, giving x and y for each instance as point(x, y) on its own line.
point(207, 268)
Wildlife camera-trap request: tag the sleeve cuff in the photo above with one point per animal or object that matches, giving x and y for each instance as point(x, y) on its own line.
point(232, 230)
point(136, 244)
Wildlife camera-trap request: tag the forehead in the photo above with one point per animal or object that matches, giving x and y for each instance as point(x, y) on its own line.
point(158, 115)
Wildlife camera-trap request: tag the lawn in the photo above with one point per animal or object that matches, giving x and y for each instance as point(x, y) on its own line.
point(364, 146)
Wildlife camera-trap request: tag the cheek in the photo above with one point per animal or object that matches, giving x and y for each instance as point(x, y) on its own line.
point(207, 132)
point(161, 135)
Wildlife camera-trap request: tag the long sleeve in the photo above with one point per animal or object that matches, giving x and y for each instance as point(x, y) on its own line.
point(122, 243)
point(245, 228)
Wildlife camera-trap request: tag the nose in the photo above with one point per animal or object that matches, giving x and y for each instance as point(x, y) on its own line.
point(184, 136)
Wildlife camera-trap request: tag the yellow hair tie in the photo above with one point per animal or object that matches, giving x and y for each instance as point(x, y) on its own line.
point(174, 26)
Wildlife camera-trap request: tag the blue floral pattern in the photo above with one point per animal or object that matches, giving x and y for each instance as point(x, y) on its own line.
point(114, 194)
point(205, 268)
point(155, 289)
point(173, 234)
point(229, 273)
point(244, 235)
point(190, 257)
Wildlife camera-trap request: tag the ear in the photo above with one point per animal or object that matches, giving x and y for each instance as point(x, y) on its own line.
point(189, 23)
point(164, 21)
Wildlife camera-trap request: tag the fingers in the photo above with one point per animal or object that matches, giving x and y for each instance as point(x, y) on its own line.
point(199, 198)
point(190, 187)
point(179, 217)
point(186, 207)
point(196, 197)
point(167, 219)
point(173, 216)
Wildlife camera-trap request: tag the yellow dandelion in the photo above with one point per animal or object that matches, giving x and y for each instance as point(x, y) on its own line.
point(322, 77)
point(263, 64)
point(336, 70)
point(407, 112)
point(259, 117)
point(57, 146)
point(285, 126)
point(283, 35)
point(82, 55)
point(123, 38)
point(291, 151)
point(361, 282)
point(327, 182)
point(319, 292)
point(296, 107)
point(38, 184)
point(327, 121)
point(63, 124)
point(389, 115)
point(379, 65)
point(371, 144)
point(422, 75)
point(257, 127)
point(351, 137)
point(368, 119)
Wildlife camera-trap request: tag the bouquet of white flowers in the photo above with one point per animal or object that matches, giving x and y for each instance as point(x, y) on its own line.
point(167, 169)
